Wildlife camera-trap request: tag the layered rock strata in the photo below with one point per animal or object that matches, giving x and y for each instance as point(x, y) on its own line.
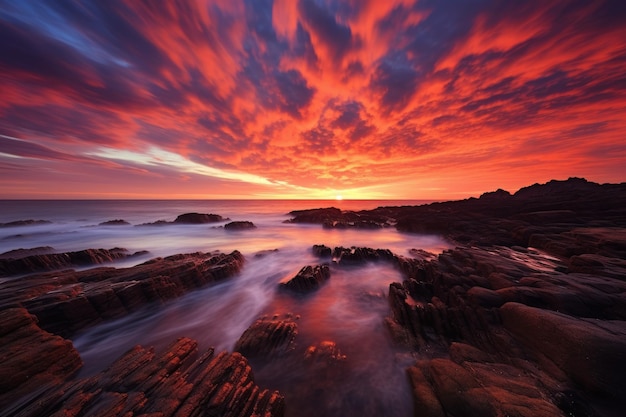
point(67, 301)
point(29, 261)
point(179, 382)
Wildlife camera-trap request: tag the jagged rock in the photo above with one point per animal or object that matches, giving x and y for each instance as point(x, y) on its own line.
point(322, 251)
point(359, 255)
point(175, 383)
point(116, 222)
point(326, 353)
point(308, 279)
point(268, 338)
point(333, 218)
point(68, 301)
point(50, 261)
point(198, 218)
point(239, 225)
point(22, 253)
point(31, 357)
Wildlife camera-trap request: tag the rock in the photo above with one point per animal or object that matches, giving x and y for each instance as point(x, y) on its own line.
point(333, 218)
point(308, 279)
point(320, 215)
point(31, 357)
point(156, 223)
point(324, 354)
point(462, 352)
point(268, 338)
point(592, 353)
point(174, 383)
point(198, 218)
point(51, 261)
point(117, 222)
point(356, 255)
point(239, 225)
point(424, 399)
point(458, 391)
point(22, 253)
point(68, 301)
point(29, 222)
point(264, 253)
point(322, 251)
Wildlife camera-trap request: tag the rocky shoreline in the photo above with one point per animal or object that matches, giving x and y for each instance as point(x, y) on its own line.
point(525, 317)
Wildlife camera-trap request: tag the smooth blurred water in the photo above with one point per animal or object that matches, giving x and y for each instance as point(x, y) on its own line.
point(348, 310)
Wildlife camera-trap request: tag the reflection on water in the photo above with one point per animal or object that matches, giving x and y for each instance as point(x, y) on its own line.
point(348, 310)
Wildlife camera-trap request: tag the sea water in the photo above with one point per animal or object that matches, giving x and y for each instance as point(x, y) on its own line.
point(348, 310)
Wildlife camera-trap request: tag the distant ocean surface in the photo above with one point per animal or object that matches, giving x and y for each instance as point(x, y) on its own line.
point(349, 309)
point(75, 225)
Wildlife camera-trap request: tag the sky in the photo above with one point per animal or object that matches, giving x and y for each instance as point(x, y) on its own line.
point(308, 99)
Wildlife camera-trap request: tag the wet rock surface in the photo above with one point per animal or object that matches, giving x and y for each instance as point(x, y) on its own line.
point(178, 382)
point(239, 225)
point(67, 301)
point(308, 279)
point(31, 358)
point(39, 259)
point(198, 218)
point(268, 338)
point(334, 218)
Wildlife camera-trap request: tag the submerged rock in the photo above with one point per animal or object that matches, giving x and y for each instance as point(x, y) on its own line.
point(117, 222)
point(198, 218)
point(28, 222)
point(239, 225)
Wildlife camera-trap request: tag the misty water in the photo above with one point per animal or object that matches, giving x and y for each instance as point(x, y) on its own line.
point(348, 310)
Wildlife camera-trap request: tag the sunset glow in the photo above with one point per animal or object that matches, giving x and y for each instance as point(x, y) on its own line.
point(398, 99)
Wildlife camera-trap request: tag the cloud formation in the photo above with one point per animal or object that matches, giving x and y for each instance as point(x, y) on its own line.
point(303, 99)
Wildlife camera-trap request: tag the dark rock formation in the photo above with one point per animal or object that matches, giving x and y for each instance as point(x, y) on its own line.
point(156, 223)
point(268, 338)
point(525, 335)
point(591, 352)
point(21, 253)
point(355, 255)
point(198, 218)
point(176, 383)
point(324, 354)
point(65, 302)
point(51, 261)
point(322, 251)
point(239, 225)
point(308, 279)
point(25, 223)
point(319, 216)
point(540, 216)
point(333, 218)
point(31, 357)
point(264, 253)
point(116, 222)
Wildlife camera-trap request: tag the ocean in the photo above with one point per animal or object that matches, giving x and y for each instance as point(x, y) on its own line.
point(349, 309)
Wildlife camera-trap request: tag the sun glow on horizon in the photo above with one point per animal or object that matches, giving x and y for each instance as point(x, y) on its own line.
point(338, 197)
